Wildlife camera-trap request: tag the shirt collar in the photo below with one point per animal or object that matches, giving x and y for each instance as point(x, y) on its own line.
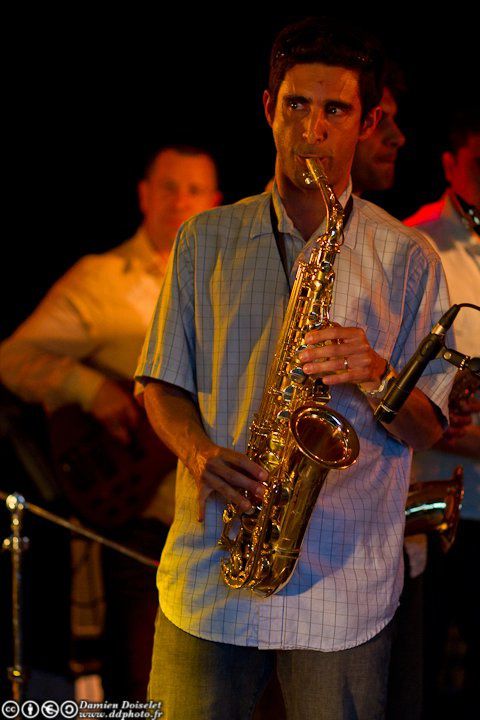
point(285, 224)
point(142, 252)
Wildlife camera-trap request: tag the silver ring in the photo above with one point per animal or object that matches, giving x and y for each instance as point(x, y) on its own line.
point(345, 364)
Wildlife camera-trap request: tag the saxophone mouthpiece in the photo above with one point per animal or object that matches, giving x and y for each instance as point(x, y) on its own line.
point(315, 172)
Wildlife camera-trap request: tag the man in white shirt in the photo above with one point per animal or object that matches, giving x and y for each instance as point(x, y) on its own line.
point(453, 225)
point(79, 345)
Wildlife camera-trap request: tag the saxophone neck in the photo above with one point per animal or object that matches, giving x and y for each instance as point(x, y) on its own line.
point(334, 210)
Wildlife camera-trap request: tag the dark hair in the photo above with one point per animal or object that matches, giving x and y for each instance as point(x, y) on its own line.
point(188, 150)
point(394, 79)
point(331, 42)
point(463, 124)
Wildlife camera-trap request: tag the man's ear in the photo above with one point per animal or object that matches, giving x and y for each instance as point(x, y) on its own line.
point(268, 107)
point(142, 190)
point(217, 198)
point(370, 122)
point(448, 163)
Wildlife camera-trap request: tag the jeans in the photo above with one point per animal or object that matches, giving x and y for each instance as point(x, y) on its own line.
point(197, 679)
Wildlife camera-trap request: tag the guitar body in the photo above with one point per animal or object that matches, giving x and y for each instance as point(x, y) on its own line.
point(107, 483)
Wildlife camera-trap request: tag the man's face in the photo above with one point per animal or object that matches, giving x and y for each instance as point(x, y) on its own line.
point(318, 114)
point(462, 170)
point(178, 187)
point(375, 158)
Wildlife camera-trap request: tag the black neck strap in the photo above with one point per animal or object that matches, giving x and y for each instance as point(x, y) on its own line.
point(280, 237)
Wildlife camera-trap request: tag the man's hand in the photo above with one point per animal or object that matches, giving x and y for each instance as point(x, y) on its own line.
point(217, 469)
point(176, 420)
point(342, 355)
point(116, 410)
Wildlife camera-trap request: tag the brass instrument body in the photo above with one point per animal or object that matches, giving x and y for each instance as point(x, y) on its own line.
point(434, 507)
point(294, 436)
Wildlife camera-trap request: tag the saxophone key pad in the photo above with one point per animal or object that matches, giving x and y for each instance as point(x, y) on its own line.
point(297, 375)
point(276, 441)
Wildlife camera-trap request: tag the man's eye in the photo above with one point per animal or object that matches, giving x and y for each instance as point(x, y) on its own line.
point(169, 186)
point(295, 105)
point(339, 109)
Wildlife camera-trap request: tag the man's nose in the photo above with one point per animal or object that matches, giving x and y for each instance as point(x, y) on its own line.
point(395, 137)
point(182, 199)
point(316, 129)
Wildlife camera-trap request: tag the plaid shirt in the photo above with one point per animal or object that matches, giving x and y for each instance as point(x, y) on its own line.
point(213, 334)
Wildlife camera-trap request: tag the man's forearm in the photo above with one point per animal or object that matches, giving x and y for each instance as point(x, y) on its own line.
point(467, 444)
point(175, 418)
point(417, 423)
point(44, 377)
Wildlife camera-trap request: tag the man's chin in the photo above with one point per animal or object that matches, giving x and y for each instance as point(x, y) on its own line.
point(384, 179)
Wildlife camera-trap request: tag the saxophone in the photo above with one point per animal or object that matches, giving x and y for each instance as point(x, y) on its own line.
point(433, 506)
point(294, 436)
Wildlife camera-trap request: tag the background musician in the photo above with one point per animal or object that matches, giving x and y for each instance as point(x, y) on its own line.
point(453, 226)
point(77, 347)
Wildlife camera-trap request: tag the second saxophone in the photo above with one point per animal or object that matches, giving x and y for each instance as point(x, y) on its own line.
point(294, 436)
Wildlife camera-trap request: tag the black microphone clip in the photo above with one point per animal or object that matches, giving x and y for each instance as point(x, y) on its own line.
point(399, 388)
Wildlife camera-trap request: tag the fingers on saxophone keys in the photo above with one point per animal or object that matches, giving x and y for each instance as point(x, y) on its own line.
point(354, 375)
point(213, 483)
point(229, 482)
point(325, 366)
point(250, 467)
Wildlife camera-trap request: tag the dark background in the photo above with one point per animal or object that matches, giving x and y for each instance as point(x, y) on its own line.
point(89, 95)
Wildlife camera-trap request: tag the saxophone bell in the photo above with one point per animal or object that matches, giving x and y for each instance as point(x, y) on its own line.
point(324, 436)
point(434, 507)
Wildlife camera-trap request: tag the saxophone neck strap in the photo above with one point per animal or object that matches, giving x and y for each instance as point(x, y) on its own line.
point(280, 237)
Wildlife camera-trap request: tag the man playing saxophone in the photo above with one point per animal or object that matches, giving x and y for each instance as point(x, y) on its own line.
point(204, 366)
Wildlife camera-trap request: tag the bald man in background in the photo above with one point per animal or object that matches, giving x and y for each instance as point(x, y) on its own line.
point(78, 347)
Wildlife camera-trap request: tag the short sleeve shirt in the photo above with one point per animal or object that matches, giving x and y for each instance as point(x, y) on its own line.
point(214, 334)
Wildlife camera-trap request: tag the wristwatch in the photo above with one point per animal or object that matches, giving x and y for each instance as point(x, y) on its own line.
point(380, 391)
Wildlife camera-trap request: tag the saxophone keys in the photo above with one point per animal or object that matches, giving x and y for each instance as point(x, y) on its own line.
point(276, 442)
point(271, 462)
point(229, 514)
point(284, 495)
point(265, 565)
point(249, 523)
point(297, 375)
point(295, 358)
point(275, 531)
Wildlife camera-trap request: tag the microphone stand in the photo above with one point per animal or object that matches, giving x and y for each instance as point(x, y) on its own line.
point(432, 346)
point(463, 362)
point(16, 545)
point(458, 359)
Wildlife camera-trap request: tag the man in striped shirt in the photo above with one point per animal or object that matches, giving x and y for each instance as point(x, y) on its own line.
point(203, 368)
